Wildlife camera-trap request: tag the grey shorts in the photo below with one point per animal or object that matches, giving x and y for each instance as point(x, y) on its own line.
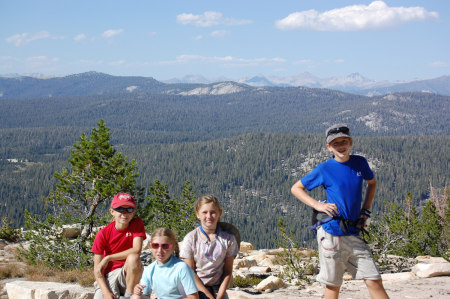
point(116, 282)
point(338, 254)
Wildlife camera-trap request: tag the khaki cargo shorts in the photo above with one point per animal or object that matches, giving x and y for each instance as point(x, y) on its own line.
point(338, 254)
point(116, 282)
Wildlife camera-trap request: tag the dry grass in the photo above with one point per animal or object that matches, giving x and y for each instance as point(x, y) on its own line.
point(83, 277)
point(12, 270)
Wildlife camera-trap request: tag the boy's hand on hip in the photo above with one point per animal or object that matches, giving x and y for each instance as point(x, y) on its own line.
point(329, 208)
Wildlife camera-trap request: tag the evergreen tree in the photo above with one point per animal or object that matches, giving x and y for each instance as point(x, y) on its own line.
point(403, 231)
point(161, 210)
point(81, 196)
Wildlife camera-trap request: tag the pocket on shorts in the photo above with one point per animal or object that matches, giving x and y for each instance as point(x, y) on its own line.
point(329, 244)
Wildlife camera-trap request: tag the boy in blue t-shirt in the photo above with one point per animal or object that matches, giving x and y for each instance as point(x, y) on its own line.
point(340, 246)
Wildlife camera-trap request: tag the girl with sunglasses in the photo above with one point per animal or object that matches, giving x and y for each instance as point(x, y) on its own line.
point(210, 250)
point(167, 276)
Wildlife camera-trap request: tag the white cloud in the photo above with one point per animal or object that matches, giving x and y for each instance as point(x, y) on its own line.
point(377, 15)
point(198, 37)
point(439, 64)
point(79, 37)
point(117, 62)
point(110, 33)
point(220, 33)
point(209, 19)
point(227, 61)
point(39, 62)
point(25, 38)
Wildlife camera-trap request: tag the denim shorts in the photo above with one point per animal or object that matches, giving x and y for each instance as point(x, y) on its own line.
point(338, 254)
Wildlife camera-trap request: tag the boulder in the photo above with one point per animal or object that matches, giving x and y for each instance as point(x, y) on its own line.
point(244, 263)
point(259, 269)
point(46, 290)
point(245, 246)
point(397, 277)
point(426, 259)
point(431, 270)
point(270, 283)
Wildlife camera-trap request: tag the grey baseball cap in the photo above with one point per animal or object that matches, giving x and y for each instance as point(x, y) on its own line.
point(336, 131)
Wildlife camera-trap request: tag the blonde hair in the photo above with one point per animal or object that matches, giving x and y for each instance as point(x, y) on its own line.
point(206, 199)
point(168, 233)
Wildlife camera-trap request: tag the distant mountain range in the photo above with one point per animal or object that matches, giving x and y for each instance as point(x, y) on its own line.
point(193, 111)
point(353, 83)
point(38, 85)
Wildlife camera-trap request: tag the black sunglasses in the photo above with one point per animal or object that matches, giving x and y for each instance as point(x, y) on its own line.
point(123, 210)
point(333, 131)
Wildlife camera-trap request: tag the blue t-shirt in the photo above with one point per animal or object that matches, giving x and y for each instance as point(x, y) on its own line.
point(174, 279)
point(343, 185)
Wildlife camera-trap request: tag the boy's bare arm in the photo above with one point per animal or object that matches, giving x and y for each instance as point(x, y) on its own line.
point(370, 194)
point(99, 266)
point(299, 191)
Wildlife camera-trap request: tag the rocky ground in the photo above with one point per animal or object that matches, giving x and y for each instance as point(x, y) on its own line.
point(431, 281)
point(420, 288)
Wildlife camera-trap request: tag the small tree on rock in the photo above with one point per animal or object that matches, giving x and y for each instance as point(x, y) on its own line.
point(81, 198)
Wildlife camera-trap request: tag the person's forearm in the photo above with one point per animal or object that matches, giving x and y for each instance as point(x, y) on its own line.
point(224, 286)
point(122, 255)
point(370, 194)
point(199, 283)
point(101, 281)
point(299, 192)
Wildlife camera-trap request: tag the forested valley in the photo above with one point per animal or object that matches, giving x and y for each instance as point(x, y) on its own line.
point(251, 173)
point(246, 145)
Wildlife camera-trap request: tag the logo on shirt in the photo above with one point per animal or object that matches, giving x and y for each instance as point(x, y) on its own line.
point(359, 173)
point(128, 234)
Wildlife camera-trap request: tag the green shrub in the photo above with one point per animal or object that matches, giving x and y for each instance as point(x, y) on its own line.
point(7, 232)
point(246, 282)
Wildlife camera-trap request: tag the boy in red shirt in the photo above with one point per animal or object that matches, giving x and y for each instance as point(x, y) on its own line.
point(117, 249)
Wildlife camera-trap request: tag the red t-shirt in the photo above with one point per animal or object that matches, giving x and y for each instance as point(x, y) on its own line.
point(109, 240)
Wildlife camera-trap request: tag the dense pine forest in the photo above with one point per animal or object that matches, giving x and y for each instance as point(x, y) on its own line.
point(247, 146)
point(251, 173)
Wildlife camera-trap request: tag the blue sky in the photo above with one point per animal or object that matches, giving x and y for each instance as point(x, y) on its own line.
point(382, 40)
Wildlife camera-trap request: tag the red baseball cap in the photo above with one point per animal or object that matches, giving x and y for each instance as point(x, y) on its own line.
point(123, 199)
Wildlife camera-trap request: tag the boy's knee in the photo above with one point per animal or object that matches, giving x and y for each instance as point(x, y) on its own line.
point(374, 284)
point(133, 261)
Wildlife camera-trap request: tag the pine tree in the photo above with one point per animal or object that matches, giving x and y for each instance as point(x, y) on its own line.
point(80, 199)
point(160, 209)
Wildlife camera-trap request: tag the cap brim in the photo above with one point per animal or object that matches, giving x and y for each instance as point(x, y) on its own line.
point(337, 135)
point(123, 204)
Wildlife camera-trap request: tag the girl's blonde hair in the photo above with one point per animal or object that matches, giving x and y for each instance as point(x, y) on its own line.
point(206, 199)
point(168, 233)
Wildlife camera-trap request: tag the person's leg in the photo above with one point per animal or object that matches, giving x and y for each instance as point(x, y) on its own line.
point(133, 271)
point(362, 266)
point(376, 289)
point(331, 292)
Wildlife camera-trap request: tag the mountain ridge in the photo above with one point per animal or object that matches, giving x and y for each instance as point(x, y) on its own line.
point(101, 83)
